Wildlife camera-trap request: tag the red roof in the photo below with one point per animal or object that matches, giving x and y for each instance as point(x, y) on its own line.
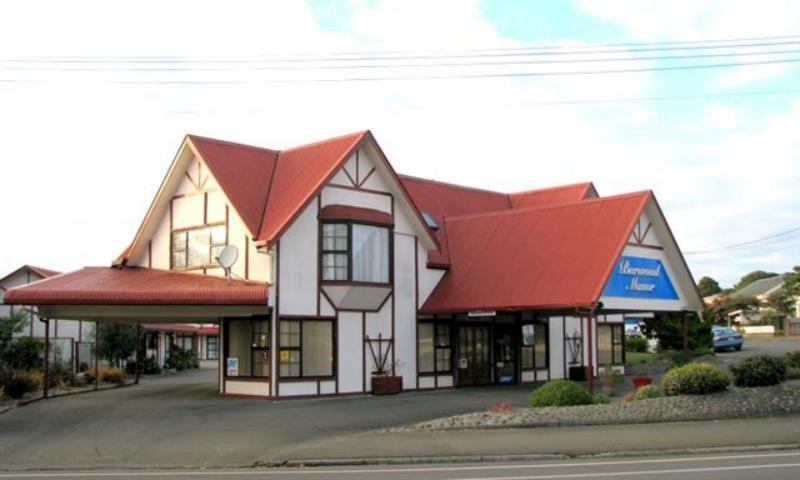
point(137, 286)
point(550, 257)
point(182, 327)
point(347, 212)
point(38, 271)
point(553, 195)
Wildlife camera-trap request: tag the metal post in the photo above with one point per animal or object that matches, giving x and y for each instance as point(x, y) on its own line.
point(96, 355)
point(590, 349)
point(138, 352)
point(46, 354)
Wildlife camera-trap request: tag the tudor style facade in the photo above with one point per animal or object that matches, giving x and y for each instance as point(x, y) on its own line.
point(347, 270)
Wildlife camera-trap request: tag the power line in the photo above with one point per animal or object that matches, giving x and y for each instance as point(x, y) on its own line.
point(749, 243)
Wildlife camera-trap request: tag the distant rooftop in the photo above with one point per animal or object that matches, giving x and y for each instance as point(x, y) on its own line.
point(760, 287)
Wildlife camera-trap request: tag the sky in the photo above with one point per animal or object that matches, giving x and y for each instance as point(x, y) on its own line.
point(96, 96)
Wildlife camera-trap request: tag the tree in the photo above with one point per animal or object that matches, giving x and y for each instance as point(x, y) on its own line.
point(117, 342)
point(668, 328)
point(708, 286)
point(752, 277)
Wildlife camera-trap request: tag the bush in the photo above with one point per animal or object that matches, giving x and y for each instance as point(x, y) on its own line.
point(111, 375)
point(647, 391)
point(600, 399)
point(694, 379)
point(25, 353)
point(793, 359)
point(59, 374)
point(149, 366)
point(677, 357)
point(636, 344)
point(16, 383)
point(793, 373)
point(758, 371)
point(182, 360)
point(559, 393)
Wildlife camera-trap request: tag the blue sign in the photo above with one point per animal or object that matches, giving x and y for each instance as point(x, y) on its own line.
point(637, 277)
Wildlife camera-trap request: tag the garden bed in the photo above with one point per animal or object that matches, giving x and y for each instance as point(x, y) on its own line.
point(783, 399)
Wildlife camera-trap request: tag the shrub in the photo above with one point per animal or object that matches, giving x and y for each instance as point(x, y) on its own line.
point(758, 371)
point(149, 366)
point(647, 391)
point(793, 373)
point(16, 383)
point(59, 374)
point(678, 357)
point(111, 375)
point(636, 344)
point(182, 360)
point(559, 393)
point(600, 399)
point(89, 374)
point(694, 379)
point(25, 353)
point(793, 359)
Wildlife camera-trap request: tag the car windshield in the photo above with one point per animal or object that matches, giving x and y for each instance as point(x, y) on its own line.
point(723, 331)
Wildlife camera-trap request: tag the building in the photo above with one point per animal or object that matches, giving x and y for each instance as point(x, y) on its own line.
point(160, 339)
point(761, 291)
point(73, 341)
point(348, 272)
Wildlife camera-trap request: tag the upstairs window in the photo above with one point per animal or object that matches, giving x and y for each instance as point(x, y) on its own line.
point(197, 247)
point(355, 252)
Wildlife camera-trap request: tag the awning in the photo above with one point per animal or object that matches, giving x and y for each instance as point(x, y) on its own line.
point(141, 294)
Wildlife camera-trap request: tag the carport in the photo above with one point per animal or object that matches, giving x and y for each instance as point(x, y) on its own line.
point(136, 296)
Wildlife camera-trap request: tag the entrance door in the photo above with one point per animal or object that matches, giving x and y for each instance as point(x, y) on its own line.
point(505, 354)
point(474, 363)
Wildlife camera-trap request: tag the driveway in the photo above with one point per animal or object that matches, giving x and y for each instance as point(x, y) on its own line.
point(180, 420)
point(753, 346)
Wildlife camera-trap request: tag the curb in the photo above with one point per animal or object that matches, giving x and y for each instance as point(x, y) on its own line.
point(343, 462)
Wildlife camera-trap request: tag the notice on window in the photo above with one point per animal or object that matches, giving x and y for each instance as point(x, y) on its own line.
point(284, 355)
point(232, 367)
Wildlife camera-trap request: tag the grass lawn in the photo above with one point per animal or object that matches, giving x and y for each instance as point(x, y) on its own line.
point(637, 358)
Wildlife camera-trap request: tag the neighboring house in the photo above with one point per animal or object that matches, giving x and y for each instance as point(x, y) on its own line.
point(160, 339)
point(760, 290)
point(72, 340)
point(347, 270)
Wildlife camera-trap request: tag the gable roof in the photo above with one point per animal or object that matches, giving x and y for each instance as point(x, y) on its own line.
point(443, 200)
point(38, 271)
point(760, 287)
point(557, 256)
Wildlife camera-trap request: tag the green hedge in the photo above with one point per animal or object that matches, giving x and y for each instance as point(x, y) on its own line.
point(648, 391)
point(636, 344)
point(758, 371)
point(559, 393)
point(695, 379)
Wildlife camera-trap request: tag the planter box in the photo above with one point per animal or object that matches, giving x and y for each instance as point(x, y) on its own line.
point(385, 385)
point(641, 382)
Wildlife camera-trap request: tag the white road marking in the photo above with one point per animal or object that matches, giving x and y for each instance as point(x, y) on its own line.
point(328, 471)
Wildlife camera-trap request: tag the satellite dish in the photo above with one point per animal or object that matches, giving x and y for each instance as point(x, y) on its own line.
point(227, 257)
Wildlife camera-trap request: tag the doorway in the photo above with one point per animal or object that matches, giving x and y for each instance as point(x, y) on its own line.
point(474, 355)
point(505, 353)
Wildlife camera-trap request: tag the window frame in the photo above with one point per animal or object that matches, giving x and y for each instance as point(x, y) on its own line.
point(522, 346)
point(334, 349)
point(209, 349)
point(436, 347)
point(268, 348)
point(349, 280)
point(616, 346)
point(211, 245)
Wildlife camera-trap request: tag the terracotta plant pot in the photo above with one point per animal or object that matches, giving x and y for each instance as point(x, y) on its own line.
point(386, 385)
point(642, 381)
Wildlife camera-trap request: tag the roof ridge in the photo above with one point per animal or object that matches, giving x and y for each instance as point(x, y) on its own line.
point(324, 140)
point(449, 184)
point(550, 189)
point(232, 144)
point(590, 201)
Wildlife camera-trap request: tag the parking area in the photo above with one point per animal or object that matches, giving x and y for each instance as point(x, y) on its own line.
point(180, 420)
point(755, 345)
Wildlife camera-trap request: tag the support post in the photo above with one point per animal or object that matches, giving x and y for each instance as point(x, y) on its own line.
point(96, 355)
point(138, 352)
point(590, 352)
point(46, 355)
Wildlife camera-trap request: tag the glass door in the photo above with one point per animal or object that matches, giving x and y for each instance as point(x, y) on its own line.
point(505, 354)
point(474, 349)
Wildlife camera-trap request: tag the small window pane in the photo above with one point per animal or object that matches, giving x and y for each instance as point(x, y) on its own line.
point(540, 358)
point(317, 349)
point(527, 358)
point(442, 359)
point(370, 254)
point(442, 335)
point(290, 333)
point(426, 360)
point(218, 235)
point(179, 259)
point(260, 359)
point(604, 347)
point(199, 248)
point(179, 241)
point(290, 363)
point(334, 266)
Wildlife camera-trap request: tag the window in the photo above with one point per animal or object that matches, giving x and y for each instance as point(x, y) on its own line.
point(198, 247)
point(212, 347)
point(534, 346)
point(247, 344)
point(183, 342)
point(306, 348)
point(610, 344)
point(355, 252)
point(435, 350)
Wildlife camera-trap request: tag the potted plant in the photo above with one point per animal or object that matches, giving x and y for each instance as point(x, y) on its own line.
point(384, 381)
point(641, 381)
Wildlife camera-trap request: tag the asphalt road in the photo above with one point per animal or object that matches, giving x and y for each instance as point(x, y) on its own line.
point(754, 345)
point(773, 465)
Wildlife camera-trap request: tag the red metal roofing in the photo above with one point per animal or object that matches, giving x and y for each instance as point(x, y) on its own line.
point(347, 212)
point(550, 257)
point(301, 172)
point(137, 286)
point(39, 271)
point(553, 196)
point(243, 172)
point(182, 327)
